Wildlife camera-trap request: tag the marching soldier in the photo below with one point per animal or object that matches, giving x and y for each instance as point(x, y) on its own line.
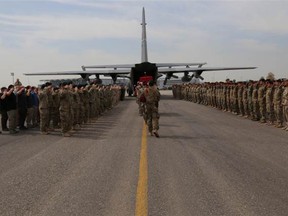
point(152, 96)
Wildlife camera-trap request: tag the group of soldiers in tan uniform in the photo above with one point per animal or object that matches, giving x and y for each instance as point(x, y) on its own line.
point(265, 101)
point(69, 106)
point(148, 97)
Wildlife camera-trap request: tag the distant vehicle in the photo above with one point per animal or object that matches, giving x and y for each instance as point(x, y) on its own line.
point(134, 72)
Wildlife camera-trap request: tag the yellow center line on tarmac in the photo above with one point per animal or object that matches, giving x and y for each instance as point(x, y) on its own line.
point(142, 188)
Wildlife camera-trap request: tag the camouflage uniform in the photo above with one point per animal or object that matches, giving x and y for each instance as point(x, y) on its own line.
point(152, 96)
point(250, 100)
point(255, 113)
point(277, 101)
point(44, 110)
point(245, 101)
point(50, 107)
point(235, 99)
point(262, 102)
point(86, 105)
point(140, 90)
point(92, 102)
point(269, 104)
point(55, 109)
point(240, 100)
point(65, 110)
point(81, 106)
point(76, 109)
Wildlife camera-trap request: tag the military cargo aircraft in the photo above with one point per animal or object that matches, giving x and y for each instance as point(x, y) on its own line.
point(136, 72)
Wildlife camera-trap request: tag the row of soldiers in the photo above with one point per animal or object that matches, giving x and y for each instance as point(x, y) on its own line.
point(70, 106)
point(264, 100)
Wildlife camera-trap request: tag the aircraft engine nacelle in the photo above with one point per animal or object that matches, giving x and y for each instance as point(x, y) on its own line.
point(98, 80)
point(169, 76)
point(114, 77)
point(186, 77)
point(198, 75)
point(85, 76)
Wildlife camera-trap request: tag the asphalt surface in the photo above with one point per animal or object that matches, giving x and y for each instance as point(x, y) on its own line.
point(206, 162)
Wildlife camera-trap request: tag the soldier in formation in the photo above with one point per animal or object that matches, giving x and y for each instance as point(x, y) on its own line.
point(265, 101)
point(66, 107)
point(71, 106)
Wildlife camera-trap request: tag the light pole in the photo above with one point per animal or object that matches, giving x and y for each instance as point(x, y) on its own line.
point(12, 74)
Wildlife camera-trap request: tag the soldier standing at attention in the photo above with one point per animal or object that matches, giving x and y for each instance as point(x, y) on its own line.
point(85, 95)
point(50, 104)
point(255, 116)
point(285, 104)
point(262, 101)
point(44, 110)
point(250, 99)
point(240, 98)
point(245, 100)
point(152, 96)
point(269, 102)
point(76, 108)
point(55, 108)
point(277, 101)
point(65, 109)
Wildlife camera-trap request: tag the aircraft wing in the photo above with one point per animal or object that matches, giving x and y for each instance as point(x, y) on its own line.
point(199, 69)
point(89, 72)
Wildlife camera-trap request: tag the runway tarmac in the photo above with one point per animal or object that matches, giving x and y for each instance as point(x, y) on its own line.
point(206, 162)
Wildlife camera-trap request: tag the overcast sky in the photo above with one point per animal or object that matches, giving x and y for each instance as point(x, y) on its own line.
point(61, 35)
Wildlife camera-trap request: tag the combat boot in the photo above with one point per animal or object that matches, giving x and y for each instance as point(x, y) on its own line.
point(155, 132)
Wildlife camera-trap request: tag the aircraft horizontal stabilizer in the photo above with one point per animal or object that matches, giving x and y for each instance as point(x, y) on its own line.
point(109, 66)
point(181, 70)
point(179, 64)
point(100, 72)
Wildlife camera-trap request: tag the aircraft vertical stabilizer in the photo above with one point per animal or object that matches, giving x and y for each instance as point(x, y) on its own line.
point(144, 55)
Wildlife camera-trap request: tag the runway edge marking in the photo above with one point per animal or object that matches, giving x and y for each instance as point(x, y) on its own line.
point(142, 188)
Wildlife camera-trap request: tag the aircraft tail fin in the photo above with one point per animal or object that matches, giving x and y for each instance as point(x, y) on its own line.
point(144, 55)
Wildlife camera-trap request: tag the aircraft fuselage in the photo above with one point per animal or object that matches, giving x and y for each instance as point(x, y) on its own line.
point(143, 69)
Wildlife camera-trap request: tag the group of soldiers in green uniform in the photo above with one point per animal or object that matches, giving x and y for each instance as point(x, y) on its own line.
point(265, 101)
point(70, 106)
